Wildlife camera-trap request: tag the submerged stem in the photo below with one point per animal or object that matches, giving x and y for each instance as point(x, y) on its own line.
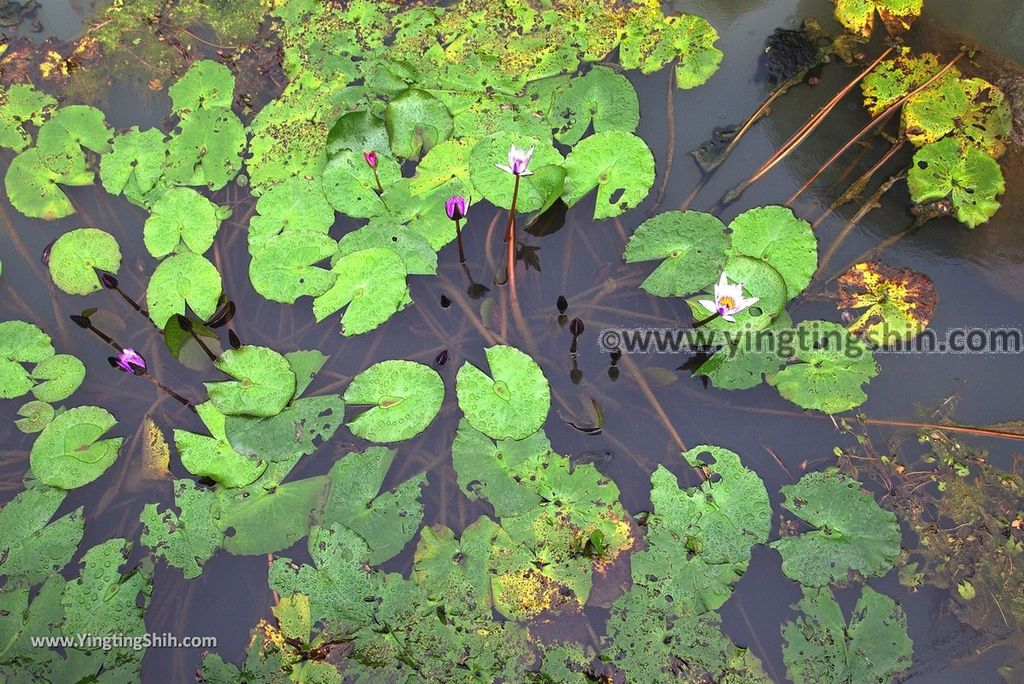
point(510, 239)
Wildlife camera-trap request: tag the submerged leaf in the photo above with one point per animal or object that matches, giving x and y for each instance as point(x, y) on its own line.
point(900, 302)
point(403, 396)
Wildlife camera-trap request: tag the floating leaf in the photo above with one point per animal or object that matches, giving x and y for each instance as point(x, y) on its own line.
point(350, 186)
point(305, 363)
point(76, 255)
point(536, 191)
point(419, 256)
point(831, 366)
point(746, 356)
point(892, 79)
point(600, 98)
point(35, 415)
point(820, 647)
point(371, 284)
point(651, 41)
point(263, 382)
point(618, 164)
point(403, 396)
point(103, 602)
point(971, 178)
point(58, 376)
point(693, 245)
point(972, 110)
point(759, 280)
point(33, 546)
point(900, 302)
point(263, 521)
point(207, 148)
point(299, 429)
point(206, 85)
point(853, 533)
point(75, 127)
point(487, 470)
point(21, 104)
point(186, 539)
point(512, 403)
point(20, 342)
point(182, 217)
point(135, 163)
point(213, 456)
point(444, 163)
point(282, 268)
point(182, 280)
point(359, 131)
point(858, 16)
point(296, 204)
point(416, 122)
point(32, 181)
point(69, 452)
point(786, 243)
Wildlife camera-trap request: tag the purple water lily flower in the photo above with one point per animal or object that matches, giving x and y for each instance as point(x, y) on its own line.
point(130, 361)
point(518, 161)
point(371, 159)
point(455, 206)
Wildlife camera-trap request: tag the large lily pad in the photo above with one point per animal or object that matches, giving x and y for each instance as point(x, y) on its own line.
point(103, 602)
point(852, 532)
point(283, 267)
point(487, 470)
point(33, 178)
point(182, 217)
point(213, 456)
point(618, 164)
point(296, 204)
point(266, 521)
point(775, 235)
point(263, 382)
point(33, 546)
point(970, 178)
point(75, 127)
point(299, 429)
point(417, 253)
point(206, 85)
point(403, 396)
point(899, 301)
point(207, 148)
point(972, 110)
point(858, 16)
point(512, 403)
point(185, 279)
point(536, 191)
point(600, 98)
point(894, 78)
point(693, 245)
point(69, 452)
point(135, 163)
point(371, 284)
point(416, 122)
point(77, 254)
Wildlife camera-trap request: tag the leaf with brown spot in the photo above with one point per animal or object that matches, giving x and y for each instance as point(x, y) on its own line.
point(899, 302)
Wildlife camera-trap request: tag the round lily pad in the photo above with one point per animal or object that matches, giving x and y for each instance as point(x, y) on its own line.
point(69, 452)
point(899, 301)
point(371, 284)
point(618, 164)
point(759, 280)
point(32, 181)
point(350, 186)
point(282, 269)
point(602, 98)
point(35, 415)
point(511, 403)
point(135, 162)
point(295, 204)
point(415, 250)
point(536, 191)
point(182, 279)
point(970, 178)
point(263, 382)
point(75, 256)
point(693, 245)
point(416, 122)
point(59, 376)
point(775, 235)
point(403, 396)
point(206, 84)
point(207, 148)
point(182, 216)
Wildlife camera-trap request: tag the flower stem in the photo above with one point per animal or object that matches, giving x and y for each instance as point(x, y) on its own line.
point(706, 320)
point(510, 239)
point(458, 237)
point(376, 177)
point(185, 402)
point(84, 322)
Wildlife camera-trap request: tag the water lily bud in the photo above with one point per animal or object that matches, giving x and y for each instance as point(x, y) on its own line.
point(455, 207)
point(371, 159)
point(107, 280)
point(576, 327)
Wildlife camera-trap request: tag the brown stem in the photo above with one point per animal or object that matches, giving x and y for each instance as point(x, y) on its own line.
point(856, 189)
point(376, 177)
point(174, 395)
point(670, 117)
point(510, 239)
point(458, 238)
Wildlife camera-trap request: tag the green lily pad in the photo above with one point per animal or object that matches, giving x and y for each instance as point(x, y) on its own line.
point(829, 370)
point(371, 284)
point(182, 217)
point(759, 280)
point(618, 164)
point(693, 245)
point(858, 16)
point(180, 280)
point(820, 646)
point(512, 403)
point(75, 127)
point(299, 429)
point(69, 452)
point(282, 268)
point(35, 545)
point(33, 178)
point(972, 110)
point(444, 163)
point(416, 122)
point(487, 470)
point(747, 356)
point(536, 191)
point(900, 302)
point(970, 178)
point(359, 131)
point(775, 235)
point(187, 539)
point(77, 254)
point(207, 148)
point(103, 602)
point(20, 342)
point(650, 41)
point(350, 186)
point(206, 85)
point(135, 163)
point(263, 382)
point(21, 104)
point(58, 376)
point(600, 98)
point(296, 204)
point(386, 520)
point(894, 78)
point(419, 256)
point(35, 415)
point(261, 522)
point(404, 398)
point(213, 456)
point(852, 532)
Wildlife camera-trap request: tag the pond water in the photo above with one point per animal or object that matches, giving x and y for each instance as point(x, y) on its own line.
point(978, 275)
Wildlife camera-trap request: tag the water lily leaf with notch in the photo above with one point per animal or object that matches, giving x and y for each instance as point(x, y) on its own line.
point(421, 213)
point(359, 131)
point(618, 164)
point(296, 204)
point(182, 217)
point(32, 181)
point(58, 376)
point(305, 363)
point(971, 178)
point(511, 404)
point(820, 647)
point(135, 163)
point(213, 456)
point(69, 453)
point(76, 255)
point(207, 148)
point(371, 284)
point(35, 415)
point(187, 539)
point(700, 538)
point(693, 245)
point(899, 301)
point(775, 235)
point(258, 521)
point(184, 279)
point(444, 163)
point(264, 382)
point(20, 104)
point(299, 429)
point(20, 342)
point(104, 602)
point(33, 546)
point(893, 78)
point(72, 128)
point(602, 98)
point(972, 110)
point(206, 85)
point(282, 268)
point(759, 280)
point(487, 470)
point(403, 396)
point(831, 367)
point(386, 520)
point(536, 191)
point(350, 186)
point(852, 532)
point(858, 16)
point(416, 122)
point(416, 251)
point(650, 41)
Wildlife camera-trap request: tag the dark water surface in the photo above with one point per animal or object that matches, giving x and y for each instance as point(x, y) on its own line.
point(978, 275)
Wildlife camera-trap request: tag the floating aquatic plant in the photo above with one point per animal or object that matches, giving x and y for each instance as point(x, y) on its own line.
point(900, 302)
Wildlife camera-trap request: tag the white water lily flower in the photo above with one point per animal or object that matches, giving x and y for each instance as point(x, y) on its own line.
point(518, 161)
point(729, 300)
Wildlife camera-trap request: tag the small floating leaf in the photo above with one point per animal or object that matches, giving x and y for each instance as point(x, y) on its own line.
point(775, 235)
point(20, 342)
point(135, 163)
point(75, 127)
point(206, 85)
point(618, 164)
point(263, 382)
point(187, 539)
point(77, 254)
point(35, 415)
point(852, 532)
point(858, 16)
point(371, 284)
point(971, 178)
point(32, 181)
point(21, 104)
point(207, 148)
point(403, 396)
point(900, 302)
point(693, 245)
point(180, 280)
point(59, 377)
point(69, 452)
point(33, 546)
point(182, 217)
point(602, 98)
point(512, 403)
point(282, 268)
point(102, 601)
